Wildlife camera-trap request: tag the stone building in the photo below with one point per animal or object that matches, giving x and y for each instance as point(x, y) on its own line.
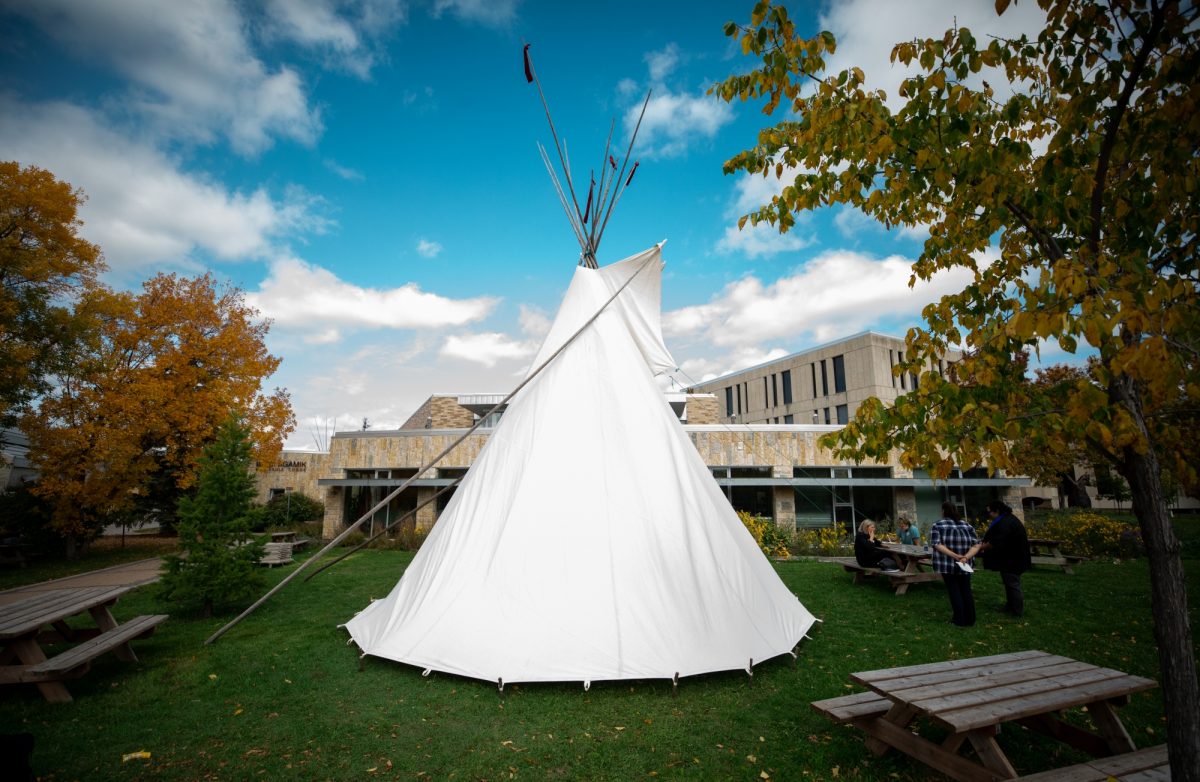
point(774, 470)
point(822, 385)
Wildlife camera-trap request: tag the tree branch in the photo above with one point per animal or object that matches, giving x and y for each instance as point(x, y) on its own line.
point(1157, 22)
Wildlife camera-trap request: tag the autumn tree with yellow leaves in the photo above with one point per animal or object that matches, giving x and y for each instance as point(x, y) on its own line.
point(44, 266)
point(133, 408)
point(1075, 155)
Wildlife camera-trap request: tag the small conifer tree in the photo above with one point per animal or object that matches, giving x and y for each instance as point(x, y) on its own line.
point(216, 563)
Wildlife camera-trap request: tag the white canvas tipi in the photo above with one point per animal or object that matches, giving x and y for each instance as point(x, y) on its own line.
point(588, 541)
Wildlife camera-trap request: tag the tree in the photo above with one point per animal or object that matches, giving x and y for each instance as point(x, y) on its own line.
point(1053, 461)
point(218, 562)
point(134, 405)
point(1082, 171)
point(43, 265)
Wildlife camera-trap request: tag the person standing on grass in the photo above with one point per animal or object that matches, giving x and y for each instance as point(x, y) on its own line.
point(1005, 547)
point(951, 539)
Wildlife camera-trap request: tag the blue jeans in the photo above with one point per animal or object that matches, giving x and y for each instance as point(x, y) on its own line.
point(962, 601)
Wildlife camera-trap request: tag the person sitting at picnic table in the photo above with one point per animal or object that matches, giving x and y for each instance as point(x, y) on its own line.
point(1005, 547)
point(909, 534)
point(869, 552)
point(951, 539)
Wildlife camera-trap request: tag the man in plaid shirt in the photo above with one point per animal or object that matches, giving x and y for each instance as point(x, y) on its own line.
point(951, 538)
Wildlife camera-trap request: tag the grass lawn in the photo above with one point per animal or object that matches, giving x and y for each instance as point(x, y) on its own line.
point(281, 696)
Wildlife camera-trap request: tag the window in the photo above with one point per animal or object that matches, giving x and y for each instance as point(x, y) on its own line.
point(813, 367)
point(786, 376)
point(729, 401)
point(913, 380)
point(766, 393)
point(739, 398)
point(827, 416)
point(774, 392)
point(787, 419)
point(839, 374)
point(903, 387)
point(824, 379)
point(843, 414)
point(892, 364)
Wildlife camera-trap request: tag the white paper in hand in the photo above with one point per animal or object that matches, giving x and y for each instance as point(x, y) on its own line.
point(964, 567)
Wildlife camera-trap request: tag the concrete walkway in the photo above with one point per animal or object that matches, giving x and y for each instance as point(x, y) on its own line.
point(144, 571)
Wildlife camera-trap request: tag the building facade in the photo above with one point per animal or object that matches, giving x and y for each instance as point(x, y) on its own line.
point(823, 385)
point(773, 470)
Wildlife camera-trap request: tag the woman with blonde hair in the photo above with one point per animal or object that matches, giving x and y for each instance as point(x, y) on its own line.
point(869, 552)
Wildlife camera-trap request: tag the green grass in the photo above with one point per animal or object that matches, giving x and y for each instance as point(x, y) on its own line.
point(102, 553)
point(281, 696)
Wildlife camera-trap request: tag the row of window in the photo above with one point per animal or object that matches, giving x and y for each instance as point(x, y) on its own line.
point(737, 397)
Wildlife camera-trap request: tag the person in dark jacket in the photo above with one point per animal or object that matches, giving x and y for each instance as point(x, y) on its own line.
point(1005, 548)
point(870, 553)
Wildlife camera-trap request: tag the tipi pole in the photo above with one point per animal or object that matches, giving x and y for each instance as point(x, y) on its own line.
point(621, 188)
point(382, 503)
point(531, 73)
point(562, 196)
point(383, 531)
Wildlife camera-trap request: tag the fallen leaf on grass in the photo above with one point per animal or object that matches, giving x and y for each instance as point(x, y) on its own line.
point(141, 754)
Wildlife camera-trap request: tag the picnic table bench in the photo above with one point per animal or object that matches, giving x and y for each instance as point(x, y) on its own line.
point(1044, 551)
point(973, 697)
point(276, 553)
point(911, 560)
point(23, 634)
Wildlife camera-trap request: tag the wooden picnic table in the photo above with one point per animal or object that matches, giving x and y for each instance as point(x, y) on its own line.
point(1044, 551)
point(913, 562)
point(283, 537)
point(24, 635)
point(973, 697)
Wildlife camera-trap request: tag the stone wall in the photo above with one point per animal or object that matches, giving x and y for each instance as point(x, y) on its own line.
point(703, 409)
point(440, 412)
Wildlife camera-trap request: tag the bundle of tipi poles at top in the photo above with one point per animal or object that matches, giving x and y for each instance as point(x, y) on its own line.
point(589, 222)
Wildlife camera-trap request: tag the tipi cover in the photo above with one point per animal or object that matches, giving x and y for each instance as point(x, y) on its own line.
point(588, 541)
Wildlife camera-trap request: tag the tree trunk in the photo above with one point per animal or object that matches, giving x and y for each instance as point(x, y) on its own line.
point(72, 547)
point(1168, 602)
point(1074, 491)
point(207, 611)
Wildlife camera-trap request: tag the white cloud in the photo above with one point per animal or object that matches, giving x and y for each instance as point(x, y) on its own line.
point(488, 348)
point(427, 248)
point(866, 31)
point(835, 294)
point(852, 223)
point(342, 171)
point(307, 298)
point(141, 209)
point(661, 63)
point(675, 121)
point(752, 192)
point(193, 67)
point(762, 240)
point(534, 322)
point(344, 32)
point(493, 13)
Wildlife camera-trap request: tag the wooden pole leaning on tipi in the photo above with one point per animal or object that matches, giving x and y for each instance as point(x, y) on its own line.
point(589, 242)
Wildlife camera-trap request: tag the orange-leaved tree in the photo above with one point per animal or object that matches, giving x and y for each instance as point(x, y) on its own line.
point(134, 406)
point(1082, 171)
point(44, 265)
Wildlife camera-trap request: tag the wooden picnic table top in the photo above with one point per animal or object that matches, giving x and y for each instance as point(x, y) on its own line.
point(973, 697)
point(283, 536)
point(908, 550)
point(982, 691)
point(27, 616)
point(1045, 542)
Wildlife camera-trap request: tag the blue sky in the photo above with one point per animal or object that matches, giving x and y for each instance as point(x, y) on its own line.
point(366, 171)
